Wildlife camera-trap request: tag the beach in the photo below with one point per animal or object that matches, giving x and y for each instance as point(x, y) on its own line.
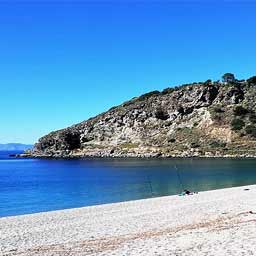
point(217, 222)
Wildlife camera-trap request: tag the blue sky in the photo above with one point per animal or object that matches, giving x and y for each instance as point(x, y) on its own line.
point(63, 62)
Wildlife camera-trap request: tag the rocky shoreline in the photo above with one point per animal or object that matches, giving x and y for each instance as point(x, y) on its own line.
point(134, 155)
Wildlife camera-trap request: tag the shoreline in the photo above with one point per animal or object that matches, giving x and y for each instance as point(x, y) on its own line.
point(212, 220)
point(81, 157)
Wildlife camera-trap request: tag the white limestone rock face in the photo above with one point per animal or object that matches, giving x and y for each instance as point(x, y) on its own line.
point(190, 120)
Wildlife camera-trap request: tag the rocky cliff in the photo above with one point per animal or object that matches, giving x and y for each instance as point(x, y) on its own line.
point(200, 119)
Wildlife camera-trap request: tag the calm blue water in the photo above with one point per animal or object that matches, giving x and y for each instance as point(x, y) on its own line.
point(33, 185)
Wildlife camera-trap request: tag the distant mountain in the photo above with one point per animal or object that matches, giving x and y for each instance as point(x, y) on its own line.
point(14, 146)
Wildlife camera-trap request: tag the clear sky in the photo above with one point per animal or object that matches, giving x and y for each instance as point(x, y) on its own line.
point(63, 62)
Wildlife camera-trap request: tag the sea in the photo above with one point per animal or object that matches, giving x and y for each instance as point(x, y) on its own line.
point(38, 185)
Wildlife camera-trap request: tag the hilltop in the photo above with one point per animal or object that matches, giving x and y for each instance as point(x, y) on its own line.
point(207, 119)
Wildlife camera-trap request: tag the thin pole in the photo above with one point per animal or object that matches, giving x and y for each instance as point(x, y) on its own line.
point(179, 178)
point(150, 185)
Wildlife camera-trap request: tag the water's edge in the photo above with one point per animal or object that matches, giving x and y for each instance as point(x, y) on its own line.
point(39, 185)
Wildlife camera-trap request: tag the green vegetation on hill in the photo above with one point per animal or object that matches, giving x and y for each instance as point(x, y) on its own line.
point(210, 118)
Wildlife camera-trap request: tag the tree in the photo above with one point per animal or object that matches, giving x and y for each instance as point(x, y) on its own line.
point(237, 124)
point(208, 82)
point(252, 118)
point(240, 111)
point(228, 78)
point(251, 130)
point(252, 80)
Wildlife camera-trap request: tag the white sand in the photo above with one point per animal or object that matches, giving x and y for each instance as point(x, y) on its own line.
point(209, 223)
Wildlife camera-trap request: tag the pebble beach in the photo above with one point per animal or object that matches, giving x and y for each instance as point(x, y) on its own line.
point(217, 222)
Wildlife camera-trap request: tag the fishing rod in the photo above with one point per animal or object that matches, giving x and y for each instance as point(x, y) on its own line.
point(150, 185)
point(179, 178)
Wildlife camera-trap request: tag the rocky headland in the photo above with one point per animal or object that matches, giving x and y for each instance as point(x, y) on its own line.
point(206, 119)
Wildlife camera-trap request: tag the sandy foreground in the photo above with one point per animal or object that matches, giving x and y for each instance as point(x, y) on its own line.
point(219, 222)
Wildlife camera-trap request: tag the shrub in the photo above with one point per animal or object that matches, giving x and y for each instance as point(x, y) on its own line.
point(251, 80)
point(237, 124)
point(252, 118)
point(195, 145)
point(216, 116)
point(180, 110)
point(218, 144)
point(218, 110)
point(172, 140)
point(217, 113)
point(240, 111)
point(148, 95)
point(208, 82)
point(168, 90)
point(161, 114)
point(129, 145)
point(251, 130)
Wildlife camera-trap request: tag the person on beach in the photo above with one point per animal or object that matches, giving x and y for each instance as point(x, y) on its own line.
point(187, 192)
